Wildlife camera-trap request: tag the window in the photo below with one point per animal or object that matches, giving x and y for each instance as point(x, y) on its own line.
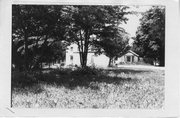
point(128, 59)
point(71, 58)
point(132, 58)
point(71, 48)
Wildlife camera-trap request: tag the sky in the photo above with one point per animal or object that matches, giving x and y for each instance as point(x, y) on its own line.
point(133, 22)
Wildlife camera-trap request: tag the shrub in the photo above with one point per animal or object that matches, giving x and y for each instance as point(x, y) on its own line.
point(23, 79)
point(148, 60)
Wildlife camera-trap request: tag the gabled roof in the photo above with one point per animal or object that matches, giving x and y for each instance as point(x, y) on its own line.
point(132, 52)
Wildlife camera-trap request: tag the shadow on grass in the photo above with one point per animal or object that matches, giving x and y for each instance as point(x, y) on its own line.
point(24, 83)
point(69, 78)
point(127, 71)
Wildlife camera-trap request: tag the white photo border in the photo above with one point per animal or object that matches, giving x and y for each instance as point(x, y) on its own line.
point(172, 65)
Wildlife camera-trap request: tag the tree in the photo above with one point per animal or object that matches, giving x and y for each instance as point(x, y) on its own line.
point(93, 20)
point(54, 52)
point(114, 45)
point(35, 29)
point(20, 27)
point(150, 36)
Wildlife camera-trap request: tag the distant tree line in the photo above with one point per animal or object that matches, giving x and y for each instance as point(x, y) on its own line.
point(150, 36)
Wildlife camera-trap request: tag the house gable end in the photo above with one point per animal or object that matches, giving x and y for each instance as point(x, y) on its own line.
point(130, 51)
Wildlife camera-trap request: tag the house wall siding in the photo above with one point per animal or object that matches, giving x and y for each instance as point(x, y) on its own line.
point(123, 59)
point(101, 60)
point(94, 60)
point(136, 59)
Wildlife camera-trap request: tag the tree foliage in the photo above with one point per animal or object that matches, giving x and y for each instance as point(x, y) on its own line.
point(113, 46)
point(36, 29)
point(101, 21)
point(150, 36)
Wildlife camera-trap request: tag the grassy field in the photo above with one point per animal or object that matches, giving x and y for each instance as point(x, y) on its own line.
point(123, 88)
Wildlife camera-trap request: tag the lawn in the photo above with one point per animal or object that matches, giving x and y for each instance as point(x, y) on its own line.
point(123, 88)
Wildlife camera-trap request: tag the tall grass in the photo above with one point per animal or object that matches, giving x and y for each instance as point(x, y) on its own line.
point(89, 88)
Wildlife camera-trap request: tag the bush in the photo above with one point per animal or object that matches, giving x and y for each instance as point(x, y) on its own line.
point(148, 60)
point(61, 71)
point(23, 79)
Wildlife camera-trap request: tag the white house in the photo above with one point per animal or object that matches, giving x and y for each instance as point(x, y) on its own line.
point(73, 58)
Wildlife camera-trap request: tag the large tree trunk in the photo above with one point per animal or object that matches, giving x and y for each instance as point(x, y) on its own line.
point(26, 51)
point(110, 62)
point(83, 49)
point(84, 64)
point(83, 58)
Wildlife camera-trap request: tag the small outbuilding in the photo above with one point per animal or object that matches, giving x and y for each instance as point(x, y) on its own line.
point(128, 57)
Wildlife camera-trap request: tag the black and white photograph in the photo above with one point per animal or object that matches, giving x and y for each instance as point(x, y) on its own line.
point(88, 56)
point(76, 58)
